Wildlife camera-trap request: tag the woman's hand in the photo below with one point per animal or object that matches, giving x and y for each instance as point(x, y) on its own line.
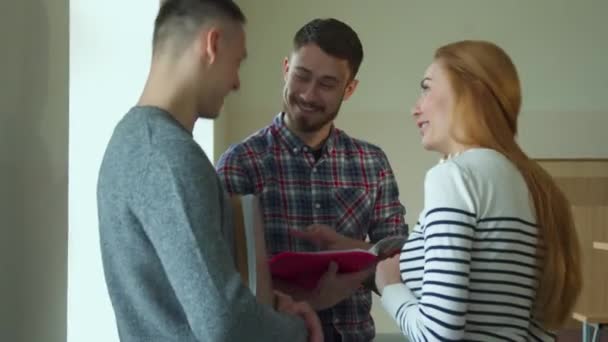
point(387, 273)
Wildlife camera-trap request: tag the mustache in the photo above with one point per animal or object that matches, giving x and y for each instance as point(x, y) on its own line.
point(313, 105)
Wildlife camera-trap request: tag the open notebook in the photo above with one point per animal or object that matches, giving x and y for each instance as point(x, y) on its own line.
point(306, 268)
point(303, 269)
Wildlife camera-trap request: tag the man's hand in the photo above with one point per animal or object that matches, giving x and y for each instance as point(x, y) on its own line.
point(327, 238)
point(334, 288)
point(331, 289)
point(387, 273)
point(285, 304)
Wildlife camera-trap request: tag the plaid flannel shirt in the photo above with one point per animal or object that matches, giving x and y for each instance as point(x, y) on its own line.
point(350, 188)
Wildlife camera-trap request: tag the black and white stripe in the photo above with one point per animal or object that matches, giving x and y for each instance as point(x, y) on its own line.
point(468, 276)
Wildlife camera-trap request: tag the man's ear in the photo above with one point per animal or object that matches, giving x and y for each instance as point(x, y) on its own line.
point(209, 41)
point(285, 68)
point(350, 88)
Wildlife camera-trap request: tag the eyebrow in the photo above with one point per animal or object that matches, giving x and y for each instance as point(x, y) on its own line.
point(303, 69)
point(325, 77)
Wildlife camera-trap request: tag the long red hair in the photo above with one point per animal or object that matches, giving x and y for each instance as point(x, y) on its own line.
point(488, 100)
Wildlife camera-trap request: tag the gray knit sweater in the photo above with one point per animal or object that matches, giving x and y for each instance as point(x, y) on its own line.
point(165, 229)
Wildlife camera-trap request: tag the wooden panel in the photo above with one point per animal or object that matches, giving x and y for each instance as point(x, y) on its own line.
point(240, 239)
point(576, 168)
point(585, 184)
point(585, 191)
point(589, 221)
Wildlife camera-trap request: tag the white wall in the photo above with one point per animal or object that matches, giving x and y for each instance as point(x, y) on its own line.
point(110, 50)
point(33, 169)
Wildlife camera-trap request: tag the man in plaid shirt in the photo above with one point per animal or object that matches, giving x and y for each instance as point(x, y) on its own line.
point(320, 188)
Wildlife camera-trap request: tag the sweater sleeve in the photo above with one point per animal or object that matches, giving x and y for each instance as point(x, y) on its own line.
point(179, 204)
point(448, 229)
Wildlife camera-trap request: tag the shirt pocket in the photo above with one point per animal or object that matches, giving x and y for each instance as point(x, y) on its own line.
point(353, 210)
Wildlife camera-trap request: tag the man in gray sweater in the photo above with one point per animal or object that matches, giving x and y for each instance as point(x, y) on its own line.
point(164, 219)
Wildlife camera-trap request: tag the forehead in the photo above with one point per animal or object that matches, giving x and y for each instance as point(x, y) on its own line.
point(315, 60)
point(435, 72)
point(430, 70)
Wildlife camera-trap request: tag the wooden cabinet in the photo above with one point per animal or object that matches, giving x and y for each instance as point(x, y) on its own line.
point(585, 184)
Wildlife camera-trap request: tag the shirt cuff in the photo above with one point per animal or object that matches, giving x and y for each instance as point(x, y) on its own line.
point(394, 296)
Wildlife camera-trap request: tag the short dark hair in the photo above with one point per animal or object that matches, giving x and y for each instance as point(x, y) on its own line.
point(185, 17)
point(335, 38)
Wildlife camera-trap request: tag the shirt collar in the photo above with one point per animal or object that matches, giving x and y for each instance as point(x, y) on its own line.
point(293, 143)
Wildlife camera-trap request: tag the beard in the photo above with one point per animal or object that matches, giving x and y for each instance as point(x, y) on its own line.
point(312, 120)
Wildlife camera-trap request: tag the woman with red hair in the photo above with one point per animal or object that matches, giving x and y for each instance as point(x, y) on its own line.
point(494, 255)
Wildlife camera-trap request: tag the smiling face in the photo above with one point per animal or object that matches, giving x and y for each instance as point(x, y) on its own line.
point(433, 110)
point(315, 86)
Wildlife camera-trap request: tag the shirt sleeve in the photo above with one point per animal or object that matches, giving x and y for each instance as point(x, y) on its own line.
point(449, 226)
point(179, 205)
point(388, 212)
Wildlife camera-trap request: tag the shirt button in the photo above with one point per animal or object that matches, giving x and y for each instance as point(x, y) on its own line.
point(314, 169)
point(295, 150)
point(305, 149)
point(317, 205)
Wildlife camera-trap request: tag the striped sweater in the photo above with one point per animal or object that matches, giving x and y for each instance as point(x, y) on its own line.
point(468, 268)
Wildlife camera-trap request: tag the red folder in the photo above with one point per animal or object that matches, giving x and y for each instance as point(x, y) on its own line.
point(306, 268)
